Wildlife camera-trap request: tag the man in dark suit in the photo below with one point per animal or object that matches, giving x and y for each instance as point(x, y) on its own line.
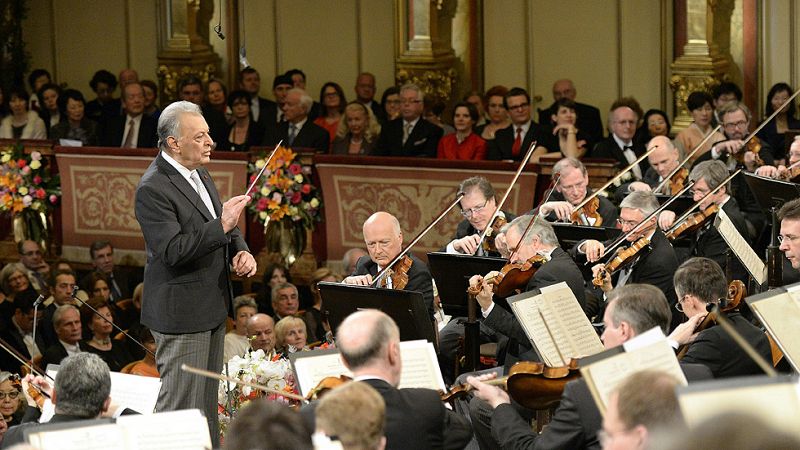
point(62, 284)
point(384, 241)
point(192, 240)
point(298, 78)
point(700, 282)
point(365, 94)
point(619, 145)
point(477, 207)
point(654, 264)
point(133, 129)
point(571, 190)
point(297, 130)
point(789, 215)
point(511, 143)
point(588, 117)
point(369, 342)
point(67, 323)
point(409, 134)
point(19, 333)
point(121, 284)
point(663, 160)
point(632, 310)
point(81, 393)
point(190, 89)
point(250, 82)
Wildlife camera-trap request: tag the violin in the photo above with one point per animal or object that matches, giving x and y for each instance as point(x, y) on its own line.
point(736, 292)
point(753, 146)
point(325, 385)
point(792, 173)
point(494, 228)
point(513, 277)
point(398, 273)
point(532, 384)
point(676, 181)
point(693, 223)
point(621, 259)
point(581, 216)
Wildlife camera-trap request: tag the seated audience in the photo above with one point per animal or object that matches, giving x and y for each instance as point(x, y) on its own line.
point(463, 144)
point(67, 323)
point(258, 424)
point(297, 130)
point(21, 123)
point(218, 99)
point(354, 415)
point(12, 401)
point(132, 128)
point(298, 79)
point(190, 89)
point(49, 112)
point(36, 79)
point(237, 341)
point(588, 116)
point(620, 144)
point(476, 99)
point(261, 334)
point(14, 281)
point(357, 133)
point(290, 335)
point(274, 274)
point(151, 99)
point(432, 112)
point(146, 367)
point(774, 132)
point(654, 123)
point(496, 109)
point(409, 135)
point(700, 105)
point(316, 321)
point(99, 323)
point(391, 104)
point(243, 132)
point(19, 333)
point(723, 94)
point(512, 143)
point(571, 141)
point(75, 125)
point(104, 106)
point(97, 285)
point(331, 97)
point(365, 94)
point(31, 256)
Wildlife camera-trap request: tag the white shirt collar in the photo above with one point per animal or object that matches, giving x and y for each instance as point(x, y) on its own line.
point(413, 122)
point(299, 125)
point(525, 127)
point(622, 144)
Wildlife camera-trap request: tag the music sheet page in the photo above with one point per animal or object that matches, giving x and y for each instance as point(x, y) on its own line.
point(576, 336)
point(420, 366)
point(780, 315)
point(99, 437)
point(310, 370)
point(132, 391)
point(740, 247)
point(526, 311)
point(174, 430)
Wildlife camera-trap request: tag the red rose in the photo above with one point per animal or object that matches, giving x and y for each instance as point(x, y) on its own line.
point(295, 169)
point(40, 193)
point(37, 179)
point(306, 188)
point(262, 204)
point(296, 197)
point(21, 163)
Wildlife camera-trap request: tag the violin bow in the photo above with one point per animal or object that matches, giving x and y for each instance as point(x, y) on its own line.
point(769, 119)
point(639, 225)
point(614, 180)
point(497, 211)
point(403, 253)
point(697, 204)
point(535, 217)
point(685, 160)
point(208, 374)
point(19, 357)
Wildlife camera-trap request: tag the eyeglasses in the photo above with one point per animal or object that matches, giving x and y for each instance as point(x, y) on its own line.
point(411, 101)
point(695, 193)
point(734, 125)
point(32, 253)
point(630, 223)
point(788, 237)
point(470, 212)
point(519, 107)
point(679, 305)
point(9, 394)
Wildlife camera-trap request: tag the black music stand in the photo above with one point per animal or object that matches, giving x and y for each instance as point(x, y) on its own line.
point(407, 308)
point(568, 234)
point(452, 272)
point(679, 206)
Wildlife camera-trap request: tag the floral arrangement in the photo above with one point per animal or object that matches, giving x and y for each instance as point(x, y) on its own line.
point(25, 182)
point(271, 371)
point(285, 190)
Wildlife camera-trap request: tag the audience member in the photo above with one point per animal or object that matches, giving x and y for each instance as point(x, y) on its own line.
point(354, 415)
point(410, 135)
point(700, 105)
point(291, 335)
point(432, 112)
point(217, 98)
point(274, 274)
point(61, 288)
point(357, 133)
point(98, 285)
point(146, 367)
point(654, 123)
point(119, 282)
point(237, 341)
point(570, 141)
point(350, 259)
point(19, 333)
point(619, 145)
point(37, 269)
point(298, 78)
point(103, 83)
point(49, 112)
point(261, 333)
point(496, 109)
point(723, 94)
point(190, 89)
point(21, 123)
point(243, 132)
point(512, 143)
point(132, 129)
point(365, 94)
point(75, 125)
point(297, 130)
point(14, 281)
point(281, 85)
point(260, 108)
point(99, 323)
point(67, 323)
point(36, 79)
point(127, 76)
point(476, 99)
point(588, 119)
point(331, 97)
point(774, 132)
point(390, 100)
point(463, 144)
point(151, 108)
point(267, 425)
point(12, 401)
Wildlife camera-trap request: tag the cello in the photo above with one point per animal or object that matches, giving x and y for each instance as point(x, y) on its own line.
point(736, 292)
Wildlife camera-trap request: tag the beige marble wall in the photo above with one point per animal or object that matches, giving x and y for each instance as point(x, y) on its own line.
point(779, 44)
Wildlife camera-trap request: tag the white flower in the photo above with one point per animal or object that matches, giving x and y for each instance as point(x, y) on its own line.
point(27, 200)
point(260, 163)
point(314, 202)
point(36, 156)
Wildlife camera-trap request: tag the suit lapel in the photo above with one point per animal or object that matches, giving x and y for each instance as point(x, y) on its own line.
point(523, 149)
point(182, 184)
point(212, 190)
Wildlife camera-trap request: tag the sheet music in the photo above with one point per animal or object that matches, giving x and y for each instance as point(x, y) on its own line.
point(98, 437)
point(420, 366)
point(605, 375)
point(527, 312)
point(740, 247)
point(780, 315)
point(561, 306)
point(174, 430)
point(310, 370)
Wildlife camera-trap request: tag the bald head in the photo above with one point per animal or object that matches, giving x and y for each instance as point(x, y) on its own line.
point(369, 342)
point(665, 157)
point(564, 88)
point(261, 332)
point(383, 237)
point(127, 76)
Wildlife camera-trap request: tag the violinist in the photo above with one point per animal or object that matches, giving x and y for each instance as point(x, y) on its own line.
point(700, 282)
point(572, 188)
point(19, 332)
point(789, 215)
point(653, 264)
point(664, 159)
point(384, 241)
point(707, 241)
point(631, 310)
point(477, 207)
point(789, 172)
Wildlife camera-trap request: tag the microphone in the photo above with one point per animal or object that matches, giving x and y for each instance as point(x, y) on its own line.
point(38, 301)
point(218, 30)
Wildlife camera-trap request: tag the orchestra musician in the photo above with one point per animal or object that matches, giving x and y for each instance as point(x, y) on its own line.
point(654, 264)
point(477, 207)
point(384, 241)
point(632, 309)
point(789, 215)
point(572, 188)
point(663, 160)
point(783, 172)
point(700, 282)
point(707, 241)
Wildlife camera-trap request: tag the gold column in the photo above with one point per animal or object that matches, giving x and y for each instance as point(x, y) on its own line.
point(706, 59)
point(424, 54)
point(183, 44)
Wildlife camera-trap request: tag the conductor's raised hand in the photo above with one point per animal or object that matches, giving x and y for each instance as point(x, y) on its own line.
point(231, 210)
point(244, 264)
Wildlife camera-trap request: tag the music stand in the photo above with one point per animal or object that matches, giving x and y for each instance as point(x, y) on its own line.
point(771, 193)
point(407, 308)
point(568, 234)
point(679, 206)
point(452, 272)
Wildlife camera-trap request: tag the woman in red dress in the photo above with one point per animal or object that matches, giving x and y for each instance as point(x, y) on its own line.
point(463, 144)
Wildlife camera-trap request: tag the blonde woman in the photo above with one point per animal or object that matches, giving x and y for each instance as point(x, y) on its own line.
point(357, 133)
